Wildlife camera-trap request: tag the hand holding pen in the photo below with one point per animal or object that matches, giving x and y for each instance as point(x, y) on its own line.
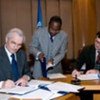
point(22, 82)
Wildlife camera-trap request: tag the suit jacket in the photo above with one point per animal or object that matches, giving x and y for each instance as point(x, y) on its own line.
point(41, 43)
point(87, 56)
point(5, 66)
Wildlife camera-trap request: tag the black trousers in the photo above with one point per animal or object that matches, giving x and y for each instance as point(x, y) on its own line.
point(86, 95)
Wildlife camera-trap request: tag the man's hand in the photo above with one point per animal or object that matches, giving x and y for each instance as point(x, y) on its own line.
point(51, 61)
point(75, 73)
point(8, 84)
point(41, 56)
point(23, 81)
point(50, 64)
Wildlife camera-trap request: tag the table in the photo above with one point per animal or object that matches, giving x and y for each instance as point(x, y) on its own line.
point(66, 97)
point(93, 86)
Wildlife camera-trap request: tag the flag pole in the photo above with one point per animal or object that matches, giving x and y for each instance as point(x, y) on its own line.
point(39, 15)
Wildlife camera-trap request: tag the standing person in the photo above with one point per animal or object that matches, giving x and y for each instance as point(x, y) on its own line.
point(13, 71)
point(49, 42)
point(90, 56)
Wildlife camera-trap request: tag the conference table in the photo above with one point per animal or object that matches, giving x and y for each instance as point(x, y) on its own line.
point(92, 86)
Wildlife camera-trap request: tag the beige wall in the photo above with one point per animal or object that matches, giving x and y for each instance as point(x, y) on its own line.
point(80, 19)
point(98, 14)
point(16, 13)
point(84, 22)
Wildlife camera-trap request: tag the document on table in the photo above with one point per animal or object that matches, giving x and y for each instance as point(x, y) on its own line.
point(32, 86)
point(39, 94)
point(61, 87)
point(18, 90)
point(56, 75)
point(88, 77)
point(45, 90)
point(36, 83)
point(49, 66)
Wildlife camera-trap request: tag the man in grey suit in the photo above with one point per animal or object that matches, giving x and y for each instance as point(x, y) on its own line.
point(49, 42)
point(13, 42)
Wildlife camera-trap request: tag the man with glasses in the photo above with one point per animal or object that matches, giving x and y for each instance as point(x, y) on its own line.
point(49, 43)
point(90, 56)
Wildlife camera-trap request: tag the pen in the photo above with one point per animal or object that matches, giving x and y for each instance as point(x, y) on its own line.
point(20, 84)
point(62, 92)
point(44, 88)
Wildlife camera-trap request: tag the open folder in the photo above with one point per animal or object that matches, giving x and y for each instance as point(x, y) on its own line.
point(18, 90)
point(33, 85)
point(39, 94)
point(50, 91)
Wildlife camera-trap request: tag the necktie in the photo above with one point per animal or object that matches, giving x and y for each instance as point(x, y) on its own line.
point(97, 66)
point(15, 72)
point(51, 38)
point(98, 58)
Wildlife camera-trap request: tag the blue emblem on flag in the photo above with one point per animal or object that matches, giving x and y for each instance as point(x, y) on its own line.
point(39, 15)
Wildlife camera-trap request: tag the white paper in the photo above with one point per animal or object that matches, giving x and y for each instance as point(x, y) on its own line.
point(49, 65)
point(88, 77)
point(32, 86)
point(18, 90)
point(66, 87)
point(56, 75)
point(55, 95)
point(36, 83)
point(38, 94)
point(34, 93)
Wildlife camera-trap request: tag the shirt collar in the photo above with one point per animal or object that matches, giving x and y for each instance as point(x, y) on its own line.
point(8, 53)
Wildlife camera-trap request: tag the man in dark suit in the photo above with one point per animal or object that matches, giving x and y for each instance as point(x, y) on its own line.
point(13, 42)
point(89, 56)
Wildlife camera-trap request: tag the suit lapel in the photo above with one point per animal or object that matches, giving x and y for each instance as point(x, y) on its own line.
point(57, 42)
point(6, 62)
point(93, 54)
point(19, 62)
point(45, 43)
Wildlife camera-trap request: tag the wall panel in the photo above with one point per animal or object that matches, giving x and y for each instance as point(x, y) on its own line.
point(16, 13)
point(84, 22)
point(52, 8)
point(98, 14)
point(66, 15)
point(80, 19)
